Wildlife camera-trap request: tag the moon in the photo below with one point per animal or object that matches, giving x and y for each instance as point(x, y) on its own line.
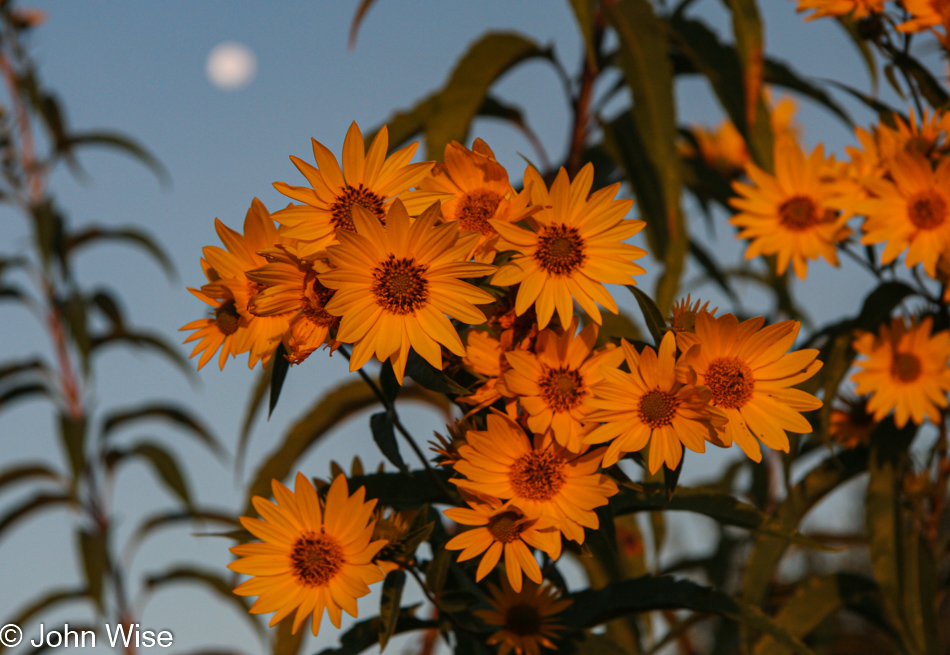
point(231, 66)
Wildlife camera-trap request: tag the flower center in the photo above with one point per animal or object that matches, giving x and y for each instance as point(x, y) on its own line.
point(400, 286)
point(316, 296)
point(227, 318)
point(657, 408)
point(475, 208)
point(927, 210)
point(561, 388)
point(506, 527)
point(906, 367)
point(730, 381)
point(523, 620)
point(316, 559)
point(342, 210)
point(799, 213)
point(560, 250)
point(537, 475)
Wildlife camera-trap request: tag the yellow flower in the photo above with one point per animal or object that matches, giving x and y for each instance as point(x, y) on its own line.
point(542, 478)
point(395, 285)
point(368, 179)
point(905, 371)
point(749, 371)
point(485, 357)
point(503, 529)
point(792, 214)
point(684, 313)
point(911, 213)
point(234, 326)
point(857, 8)
point(852, 424)
point(926, 14)
point(311, 557)
point(526, 619)
point(290, 286)
point(480, 193)
point(574, 246)
point(553, 383)
point(928, 136)
point(649, 405)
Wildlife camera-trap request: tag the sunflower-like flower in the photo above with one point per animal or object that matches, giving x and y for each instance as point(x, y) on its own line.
point(851, 424)
point(553, 383)
point(395, 285)
point(649, 405)
point(542, 478)
point(857, 9)
point(926, 14)
point(910, 213)
point(905, 370)
point(749, 372)
point(368, 179)
point(311, 557)
point(526, 619)
point(290, 287)
point(574, 246)
point(393, 528)
point(792, 214)
point(927, 135)
point(229, 287)
point(684, 313)
point(480, 193)
point(503, 529)
point(484, 356)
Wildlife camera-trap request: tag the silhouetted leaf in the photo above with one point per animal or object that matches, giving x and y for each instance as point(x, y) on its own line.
point(131, 235)
point(92, 546)
point(431, 378)
point(365, 634)
point(164, 464)
point(123, 144)
point(361, 12)
point(31, 505)
point(384, 435)
point(72, 433)
point(35, 470)
point(389, 605)
point(174, 414)
point(280, 365)
point(656, 324)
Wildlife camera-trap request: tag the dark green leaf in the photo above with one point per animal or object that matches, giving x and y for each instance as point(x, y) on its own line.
point(384, 435)
point(72, 433)
point(280, 365)
point(30, 505)
point(23, 390)
point(147, 341)
point(123, 144)
point(95, 560)
point(176, 415)
point(210, 580)
point(361, 12)
point(584, 11)
point(170, 519)
point(364, 634)
point(929, 87)
point(429, 377)
point(651, 314)
point(437, 570)
point(388, 383)
point(646, 594)
point(50, 600)
point(389, 605)
point(31, 471)
point(885, 113)
point(131, 235)
point(164, 464)
point(405, 490)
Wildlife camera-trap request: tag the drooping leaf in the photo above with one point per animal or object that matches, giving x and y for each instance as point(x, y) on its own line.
point(365, 634)
point(48, 601)
point(209, 579)
point(21, 472)
point(123, 144)
point(384, 434)
point(174, 414)
point(406, 490)
point(131, 235)
point(31, 505)
point(437, 570)
point(928, 86)
point(162, 462)
point(171, 519)
point(147, 341)
point(388, 383)
point(584, 12)
point(594, 607)
point(72, 434)
point(361, 12)
point(23, 391)
point(429, 377)
point(389, 605)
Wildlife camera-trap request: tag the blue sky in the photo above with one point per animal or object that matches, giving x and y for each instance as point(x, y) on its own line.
point(139, 68)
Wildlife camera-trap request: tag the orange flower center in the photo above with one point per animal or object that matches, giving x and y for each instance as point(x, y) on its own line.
point(799, 213)
point(316, 559)
point(906, 367)
point(657, 408)
point(316, 297)
point(342, 210)
point(730, 381)
point(400, 285)
point(561, 388)
point(523, 620)
point(475, 208)
point(927, 210)
point(537, 475)
point(507, 526)
point(226, 318)
point(560, 250)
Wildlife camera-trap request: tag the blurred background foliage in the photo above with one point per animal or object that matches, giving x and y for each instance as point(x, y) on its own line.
point(762, 586)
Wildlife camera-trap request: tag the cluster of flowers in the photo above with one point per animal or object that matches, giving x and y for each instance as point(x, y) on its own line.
point(378, 255)
point(924, 15)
